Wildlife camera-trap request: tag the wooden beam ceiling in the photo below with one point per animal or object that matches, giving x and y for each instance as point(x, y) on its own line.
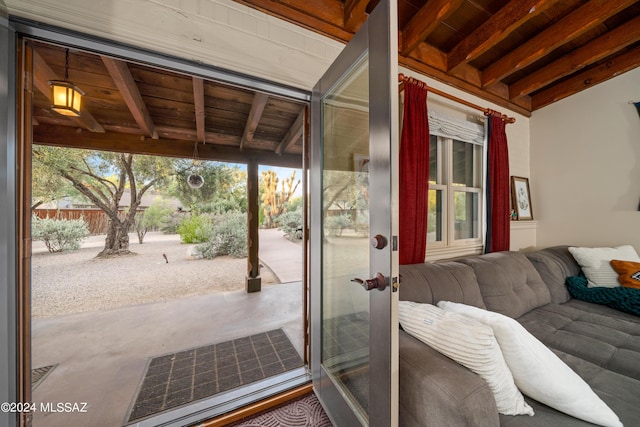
point(129, 91)
point(66, 136)
point(130, 103)
point(42, 74)
point(257, 108)
point(428, 18)
point(198, 102)
point(569, 28)
point(505, 51)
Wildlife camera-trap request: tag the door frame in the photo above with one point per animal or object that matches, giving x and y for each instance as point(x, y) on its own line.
point(17, 153)
point(384, 152)
point(8, 247)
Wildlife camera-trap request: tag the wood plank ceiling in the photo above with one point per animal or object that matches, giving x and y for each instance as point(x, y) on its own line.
point(521, 54)
point(136, 108)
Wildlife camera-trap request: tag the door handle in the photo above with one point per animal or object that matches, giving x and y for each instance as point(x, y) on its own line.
point(379, 282)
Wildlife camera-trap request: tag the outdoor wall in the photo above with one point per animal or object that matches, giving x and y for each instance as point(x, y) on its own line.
point(585, 166)
point(232, 36)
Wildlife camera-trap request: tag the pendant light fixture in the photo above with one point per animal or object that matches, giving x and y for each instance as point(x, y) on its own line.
point(195, 180)
point(66, 98)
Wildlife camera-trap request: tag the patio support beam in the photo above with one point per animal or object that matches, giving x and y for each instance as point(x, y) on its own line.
point(253, 282)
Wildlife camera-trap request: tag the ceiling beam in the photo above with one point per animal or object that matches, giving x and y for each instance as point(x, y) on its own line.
point(582, 20)
point(129, 91)
point(321, 16)
point(612, 67)
point(67, 136)
point(293, 134)
point(424, 22)
point(495, 29)
point(424, 60)
point(198, 102)
point(42, 73)
point(589, 53)
point(257, 108)
point(355, 13)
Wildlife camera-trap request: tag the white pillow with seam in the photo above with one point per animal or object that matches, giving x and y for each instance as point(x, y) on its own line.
point(469, 343)
point(537, 371)
point(596, 263)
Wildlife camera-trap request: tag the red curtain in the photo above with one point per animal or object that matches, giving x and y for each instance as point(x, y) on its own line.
point(414, 174)
point(498, 206)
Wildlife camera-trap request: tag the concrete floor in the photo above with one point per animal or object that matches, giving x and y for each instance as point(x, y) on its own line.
point(101, 356)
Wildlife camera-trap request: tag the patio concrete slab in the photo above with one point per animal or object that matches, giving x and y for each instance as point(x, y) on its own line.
point(102, 355)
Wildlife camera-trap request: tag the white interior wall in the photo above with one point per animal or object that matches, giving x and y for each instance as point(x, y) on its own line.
point(585, 166)
point(235, 37)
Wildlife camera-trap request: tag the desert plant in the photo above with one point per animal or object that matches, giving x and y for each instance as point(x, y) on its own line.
point(59, 234)
point(195, 229)
point(291, 224)
point(229, 237)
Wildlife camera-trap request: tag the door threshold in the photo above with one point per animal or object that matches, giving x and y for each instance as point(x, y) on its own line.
point(256, 396)
point(258, 407)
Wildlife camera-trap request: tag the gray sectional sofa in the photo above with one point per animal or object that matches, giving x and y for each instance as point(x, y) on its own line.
point(600, 344)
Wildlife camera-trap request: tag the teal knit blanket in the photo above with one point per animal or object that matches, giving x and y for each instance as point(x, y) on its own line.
point(620, 298)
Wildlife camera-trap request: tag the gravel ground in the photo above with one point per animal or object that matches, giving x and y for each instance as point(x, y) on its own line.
point(75, 282)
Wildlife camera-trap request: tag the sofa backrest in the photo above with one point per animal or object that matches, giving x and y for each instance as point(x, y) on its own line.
point(509, 283)
point(555, 264)
point(429, 283)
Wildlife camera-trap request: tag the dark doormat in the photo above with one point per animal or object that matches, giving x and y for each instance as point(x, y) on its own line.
point(303, 412)
point(177, 379)
point(39, 374)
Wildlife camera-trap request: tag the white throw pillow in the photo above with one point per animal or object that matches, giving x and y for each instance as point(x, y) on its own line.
point(596, 263)
point(469, 343)
point(537, 371)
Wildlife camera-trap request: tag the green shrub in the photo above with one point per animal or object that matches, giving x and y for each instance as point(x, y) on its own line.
point(291, 224)
point(229, 237)
point(59, 234)
point(195, 229)
point(335, 224)
point(155, 217)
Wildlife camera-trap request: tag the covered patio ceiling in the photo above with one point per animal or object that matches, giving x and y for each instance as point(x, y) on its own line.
point(136, 108)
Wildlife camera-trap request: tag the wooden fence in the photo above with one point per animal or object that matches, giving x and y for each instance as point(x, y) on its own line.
point(96, 219)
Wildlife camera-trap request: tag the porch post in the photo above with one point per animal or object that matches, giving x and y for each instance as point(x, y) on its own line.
point(253, 281)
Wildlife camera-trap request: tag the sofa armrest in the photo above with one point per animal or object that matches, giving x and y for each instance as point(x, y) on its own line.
point(436, 391)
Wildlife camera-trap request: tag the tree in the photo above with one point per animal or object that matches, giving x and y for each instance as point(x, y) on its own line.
point(103, 177)
point(274, 202)
point(47, 185)
point(154, 217)
point(224, 187)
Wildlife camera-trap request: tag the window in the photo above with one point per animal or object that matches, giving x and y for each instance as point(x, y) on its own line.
point(456, 178)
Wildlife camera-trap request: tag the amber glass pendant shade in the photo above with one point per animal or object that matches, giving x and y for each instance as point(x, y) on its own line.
point(66, 98)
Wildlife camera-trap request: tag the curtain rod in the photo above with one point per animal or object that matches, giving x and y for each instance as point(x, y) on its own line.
point(402, 79)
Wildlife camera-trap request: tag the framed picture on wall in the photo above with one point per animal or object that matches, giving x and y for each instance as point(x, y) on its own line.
point(521, 198)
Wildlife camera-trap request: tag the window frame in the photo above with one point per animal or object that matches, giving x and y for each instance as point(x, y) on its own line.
point(449, 246)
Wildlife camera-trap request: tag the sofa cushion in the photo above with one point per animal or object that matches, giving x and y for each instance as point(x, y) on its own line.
point(538, 372)
point(594, 333)
point(554, 265)
point(436, 391)
point(468, 342)
point(509, 284)
point(429, 283)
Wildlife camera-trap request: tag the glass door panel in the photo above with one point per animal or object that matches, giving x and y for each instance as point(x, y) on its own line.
point(345, 226)
point(353, 243)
